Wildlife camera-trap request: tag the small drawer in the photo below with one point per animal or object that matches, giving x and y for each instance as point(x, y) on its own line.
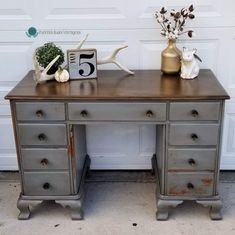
point(44, 159)
point(148, 112)
point(37, 184)
point(191, 159)
point(40, 111)
point(193, 111)
point(42, 134)
point(193, 134)
point(186, 184)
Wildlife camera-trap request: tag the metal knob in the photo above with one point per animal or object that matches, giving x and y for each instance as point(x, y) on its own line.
point(191, 162)
point(84, 113)
point(194, 136)
point(46, 186)
point(42, 137)
point(39, 113)
point(44, 161)
point(149, 113)
point(194, 113)
point(190, 186)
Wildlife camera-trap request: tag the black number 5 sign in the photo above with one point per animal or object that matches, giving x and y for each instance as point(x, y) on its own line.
point(82, 63)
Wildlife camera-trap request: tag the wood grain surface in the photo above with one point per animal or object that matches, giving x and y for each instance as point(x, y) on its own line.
point(115, 85)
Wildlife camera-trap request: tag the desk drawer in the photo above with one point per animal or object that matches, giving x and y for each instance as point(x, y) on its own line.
point(40, 111)
point(186, 184)
point(46, 183)
point(191, 159)
point(193, 134)
point(42, 134)
point(149, 112)
point(191, 111)
point(44, 159)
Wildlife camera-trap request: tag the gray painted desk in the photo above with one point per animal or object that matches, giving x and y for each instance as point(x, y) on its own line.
point(50, 133)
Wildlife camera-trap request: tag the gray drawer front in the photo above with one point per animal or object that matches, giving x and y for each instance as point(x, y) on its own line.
point(183, 134)
point(44, 159)
point(117, 111)
point(46, 183)
point(40, 111)
point(186, 184)
point(191, 159)
point(42, 134)
point(180, 111)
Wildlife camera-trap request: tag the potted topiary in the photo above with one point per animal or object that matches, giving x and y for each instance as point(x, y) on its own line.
point(46, 53)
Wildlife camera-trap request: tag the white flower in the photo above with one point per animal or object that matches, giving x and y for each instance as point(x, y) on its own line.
point(185, 11)
point(172, 11)
point(176, 33)
point(170, 36)
point(160, 17)
point(163, 32)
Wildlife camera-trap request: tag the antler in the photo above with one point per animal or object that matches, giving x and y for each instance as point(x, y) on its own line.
point(112, 59)
point(108, 59)
point(82, 41)
point(42, 76)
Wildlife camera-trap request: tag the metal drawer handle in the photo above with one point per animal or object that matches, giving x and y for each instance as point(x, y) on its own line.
point(194, 136)
point(84, 113)
point(149, 113)
point(190, 186)
point(46, 186)
point(44, 161)
point(39, 113)
point(191, 162)
point(194, 113)
point(42, 137)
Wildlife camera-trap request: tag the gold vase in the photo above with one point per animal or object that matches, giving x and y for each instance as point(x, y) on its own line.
point(171, 58)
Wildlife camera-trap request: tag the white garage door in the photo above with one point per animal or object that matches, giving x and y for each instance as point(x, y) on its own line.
point(111, 23)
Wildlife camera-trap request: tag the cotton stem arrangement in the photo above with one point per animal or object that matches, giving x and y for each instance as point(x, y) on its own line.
point(173, 23)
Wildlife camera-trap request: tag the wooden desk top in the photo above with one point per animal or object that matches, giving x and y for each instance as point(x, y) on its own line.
point(115, 85)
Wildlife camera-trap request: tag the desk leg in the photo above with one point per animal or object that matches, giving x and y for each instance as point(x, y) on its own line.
point(23, 206)
point(75, 208)
point(163, 208)
point(215, 208)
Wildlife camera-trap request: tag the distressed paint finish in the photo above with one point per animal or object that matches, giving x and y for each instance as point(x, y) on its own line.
point(202, 184)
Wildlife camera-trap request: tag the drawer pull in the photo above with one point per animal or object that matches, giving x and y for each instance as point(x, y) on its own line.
point(191, 162)
point(194, 136)
point(190, 186)
point(39, 113)
point(84, 113)
point(46, 186)
point(194, 113)
point(149, 113)
point(44, 162)
point(42, 137)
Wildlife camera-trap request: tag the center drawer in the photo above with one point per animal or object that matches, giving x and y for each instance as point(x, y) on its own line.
point(148, 112)
point(42, 134)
